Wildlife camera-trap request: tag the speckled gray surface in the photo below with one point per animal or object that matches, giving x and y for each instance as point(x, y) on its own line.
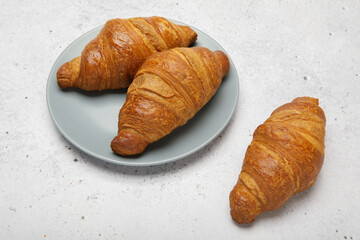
point(281, 49)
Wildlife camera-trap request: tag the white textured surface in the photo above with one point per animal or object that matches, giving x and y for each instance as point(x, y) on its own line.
point(281, 49)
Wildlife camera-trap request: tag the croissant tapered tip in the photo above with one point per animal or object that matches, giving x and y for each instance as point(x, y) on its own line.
point(128, 143)
point(68, 73)
point(307, 99)
point(64, 83)
point(244, 206)
point(189, 34)
point(224, 60)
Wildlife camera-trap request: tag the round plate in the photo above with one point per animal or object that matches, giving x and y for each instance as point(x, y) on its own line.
point(89, 119)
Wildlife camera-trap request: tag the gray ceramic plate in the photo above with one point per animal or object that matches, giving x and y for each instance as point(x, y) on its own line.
point(89, 119)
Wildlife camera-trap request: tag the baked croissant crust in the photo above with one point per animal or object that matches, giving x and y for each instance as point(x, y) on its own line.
point(111, 60)
point(284, 158)
point(169, 88)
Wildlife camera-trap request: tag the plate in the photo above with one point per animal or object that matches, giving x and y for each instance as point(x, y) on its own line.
point(89, 119)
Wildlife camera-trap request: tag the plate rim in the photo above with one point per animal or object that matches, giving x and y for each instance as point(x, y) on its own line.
point(134, 163)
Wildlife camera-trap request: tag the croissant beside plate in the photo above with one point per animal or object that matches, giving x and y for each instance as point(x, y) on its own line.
point(168, 90)
point(111, 60)
point(284, 158)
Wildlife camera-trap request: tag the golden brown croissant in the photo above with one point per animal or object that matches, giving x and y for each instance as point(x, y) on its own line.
point(111, 60)
point(284, 158)
point(169, 88)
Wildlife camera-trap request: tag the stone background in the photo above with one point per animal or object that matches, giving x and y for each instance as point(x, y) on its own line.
point(281, 50)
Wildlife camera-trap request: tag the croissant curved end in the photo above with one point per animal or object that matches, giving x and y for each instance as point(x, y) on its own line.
point(189, 33)
point(68, 73)
point(307, 99)
point(244, 207)
point(225, 63)
point(128, 143)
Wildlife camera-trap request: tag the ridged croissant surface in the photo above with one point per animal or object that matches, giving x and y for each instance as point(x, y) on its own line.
point(284, 158)
point(111, 60)
point(169, 88)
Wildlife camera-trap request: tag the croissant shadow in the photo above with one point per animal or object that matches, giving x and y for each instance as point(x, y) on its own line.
point(187, 161)
point(194, 158)
point(96, 93)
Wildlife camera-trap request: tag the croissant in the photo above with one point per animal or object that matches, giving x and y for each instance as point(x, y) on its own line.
point(111, 60)
point(169, 88)
point(284, 158)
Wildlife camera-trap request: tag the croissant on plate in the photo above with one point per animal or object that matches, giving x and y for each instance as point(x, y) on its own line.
point(284, 158)
point(111, 60)
point(168, 90)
